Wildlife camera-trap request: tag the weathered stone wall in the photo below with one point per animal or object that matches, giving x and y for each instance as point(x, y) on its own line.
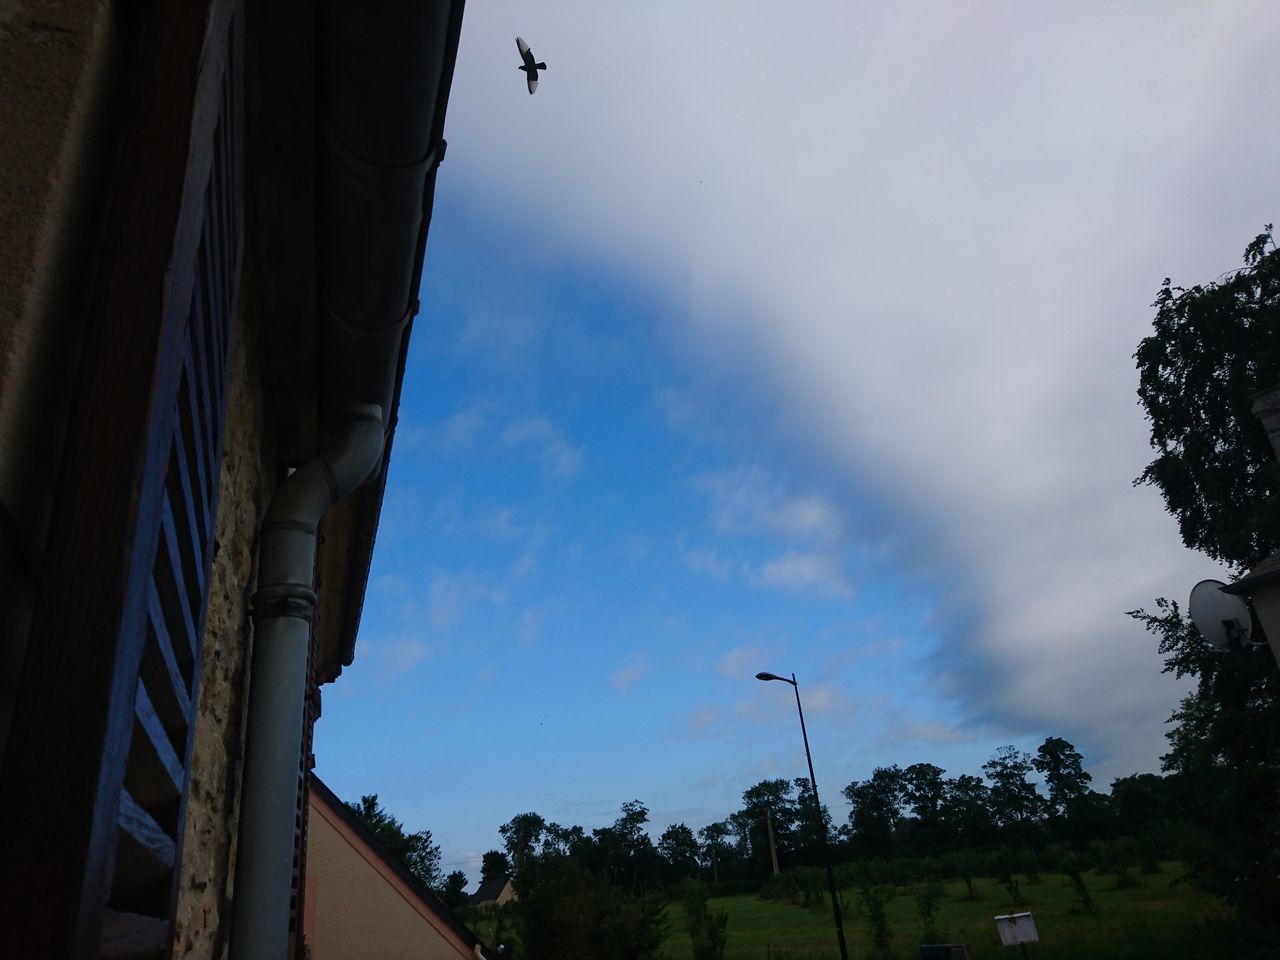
point(203, 914)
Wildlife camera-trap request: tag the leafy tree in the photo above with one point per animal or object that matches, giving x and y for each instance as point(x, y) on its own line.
point(714, 839)
point(1212, 347)
point(1062, 767)
point(768, 799)
point(522, 835)
point(809, 833)
point(707, 930)
point(495, 863)
point(454, 890)
point(923, 789)
point(1224, 742)
point(1014, 800)
point(966, 809)
point(419, 855)
point(624, 851)
point(566, 913)
point(876, 809)
point(679, 847)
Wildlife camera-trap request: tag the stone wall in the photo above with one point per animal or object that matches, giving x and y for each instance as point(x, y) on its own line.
point(203, 913)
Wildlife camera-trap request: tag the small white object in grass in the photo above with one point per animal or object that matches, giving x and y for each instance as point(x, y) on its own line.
point(1016, 928)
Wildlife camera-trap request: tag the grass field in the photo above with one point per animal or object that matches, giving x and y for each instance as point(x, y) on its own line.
point(1156, 919)
point(1138, 921)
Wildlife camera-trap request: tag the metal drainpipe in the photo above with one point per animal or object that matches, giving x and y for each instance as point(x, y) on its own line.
point(283, 608)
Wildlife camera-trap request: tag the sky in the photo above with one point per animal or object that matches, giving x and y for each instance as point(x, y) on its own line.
point(797, 338)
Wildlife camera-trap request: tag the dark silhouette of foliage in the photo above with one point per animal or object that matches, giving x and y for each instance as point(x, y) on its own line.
point(1212, 347)
point(495, 863)
point(419, 855)
point(454, 890)
point(1062, 767)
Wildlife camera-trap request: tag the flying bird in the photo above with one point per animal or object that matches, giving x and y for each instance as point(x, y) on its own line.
point(530, 66)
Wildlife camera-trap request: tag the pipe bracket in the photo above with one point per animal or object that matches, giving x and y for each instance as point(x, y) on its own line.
point(284, 600)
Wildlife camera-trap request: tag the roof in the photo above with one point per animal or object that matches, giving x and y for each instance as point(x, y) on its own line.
point(426, 898)
point(489, 890)
point(1265, 572)
point(284, 125)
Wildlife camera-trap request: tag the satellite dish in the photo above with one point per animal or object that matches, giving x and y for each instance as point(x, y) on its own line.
point(1222, 618)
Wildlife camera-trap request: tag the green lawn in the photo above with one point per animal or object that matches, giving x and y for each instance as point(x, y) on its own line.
point(1141, 920)
point(1152, 921)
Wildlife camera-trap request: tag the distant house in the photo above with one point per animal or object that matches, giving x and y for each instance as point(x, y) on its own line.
point(493, 892)
point(361, 902)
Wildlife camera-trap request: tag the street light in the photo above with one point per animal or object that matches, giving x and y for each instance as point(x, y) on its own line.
point(822, 823)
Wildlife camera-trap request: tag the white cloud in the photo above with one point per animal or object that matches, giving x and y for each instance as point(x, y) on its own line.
point(451, 595)
point(925, 238)
point(545, 441)
point(632, 669)
point(795, 570)
point(707, 560)
point(747, 501)
point(741, 662)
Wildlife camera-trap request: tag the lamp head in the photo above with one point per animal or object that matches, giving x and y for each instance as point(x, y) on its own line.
point(769, 676)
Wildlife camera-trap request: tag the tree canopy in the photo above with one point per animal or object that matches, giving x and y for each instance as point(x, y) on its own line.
point(1213, 346)
point(416, 851)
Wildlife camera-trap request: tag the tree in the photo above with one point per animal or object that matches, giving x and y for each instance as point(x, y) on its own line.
point(765, 802)
point(1212, 347)
point(876, 809)
point(679, 847)
point(1062, 767)
point(419, 855)
point(923, 790)
point(1224, 742)
point(809, 833)
point(454, 890)
point(521, 836)
point(714, 845)
point(1014, 801)
point(966, 810)
point(494, 864)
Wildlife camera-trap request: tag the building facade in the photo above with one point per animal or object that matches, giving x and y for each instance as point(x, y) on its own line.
point(213, 217)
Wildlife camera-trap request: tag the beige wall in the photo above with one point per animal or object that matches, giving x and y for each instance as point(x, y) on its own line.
point(203, 910)
point(356, 910)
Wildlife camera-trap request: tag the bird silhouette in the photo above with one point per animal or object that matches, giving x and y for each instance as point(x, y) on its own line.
point(530, 66)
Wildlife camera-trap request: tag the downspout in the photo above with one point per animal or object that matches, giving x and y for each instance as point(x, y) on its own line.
point(384, 82)
point(283, 609)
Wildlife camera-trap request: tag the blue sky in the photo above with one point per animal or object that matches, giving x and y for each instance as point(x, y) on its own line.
point(807, 347)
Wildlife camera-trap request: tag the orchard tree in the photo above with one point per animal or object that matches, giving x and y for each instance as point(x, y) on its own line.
point(419, 855)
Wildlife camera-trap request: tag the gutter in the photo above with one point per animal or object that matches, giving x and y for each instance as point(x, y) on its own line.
point(386, 73)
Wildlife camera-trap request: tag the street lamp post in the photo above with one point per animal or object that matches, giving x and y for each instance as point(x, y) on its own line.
point(817, 805)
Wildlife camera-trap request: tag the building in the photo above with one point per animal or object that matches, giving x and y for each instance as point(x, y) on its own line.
point(493, 892)
point(213, 218)
point(360, 902)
